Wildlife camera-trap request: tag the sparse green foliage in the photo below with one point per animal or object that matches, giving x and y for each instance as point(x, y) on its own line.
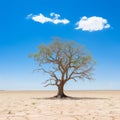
point(65, 61)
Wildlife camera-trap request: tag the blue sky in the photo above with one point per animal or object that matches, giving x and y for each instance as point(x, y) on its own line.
point(25, 24)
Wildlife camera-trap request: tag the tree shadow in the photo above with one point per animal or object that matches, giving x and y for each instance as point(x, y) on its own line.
point(71, 98)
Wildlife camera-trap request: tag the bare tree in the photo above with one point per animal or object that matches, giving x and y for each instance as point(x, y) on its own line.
point(64, 61)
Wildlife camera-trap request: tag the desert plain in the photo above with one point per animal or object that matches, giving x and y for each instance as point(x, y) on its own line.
point(36, 105)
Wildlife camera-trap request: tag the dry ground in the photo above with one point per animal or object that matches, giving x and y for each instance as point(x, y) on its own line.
point(30, 105)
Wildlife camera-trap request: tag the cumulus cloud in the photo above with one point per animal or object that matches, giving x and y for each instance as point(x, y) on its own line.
point(54, 18)
point(93, 23)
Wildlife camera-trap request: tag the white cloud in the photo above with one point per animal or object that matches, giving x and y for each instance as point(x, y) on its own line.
point(55, 15)
point(42, 19)
point(93, 23)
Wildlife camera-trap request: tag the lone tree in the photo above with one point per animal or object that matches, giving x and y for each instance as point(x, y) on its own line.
point(64, 61)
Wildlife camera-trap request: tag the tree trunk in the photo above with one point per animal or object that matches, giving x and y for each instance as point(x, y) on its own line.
point(60, 93)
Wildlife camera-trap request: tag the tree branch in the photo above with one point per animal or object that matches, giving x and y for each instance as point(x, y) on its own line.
point(49, 84)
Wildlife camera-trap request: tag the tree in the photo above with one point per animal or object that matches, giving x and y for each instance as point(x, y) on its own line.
point(64, 61)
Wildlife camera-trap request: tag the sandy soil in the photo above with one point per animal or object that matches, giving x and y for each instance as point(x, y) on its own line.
point(30, 105)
